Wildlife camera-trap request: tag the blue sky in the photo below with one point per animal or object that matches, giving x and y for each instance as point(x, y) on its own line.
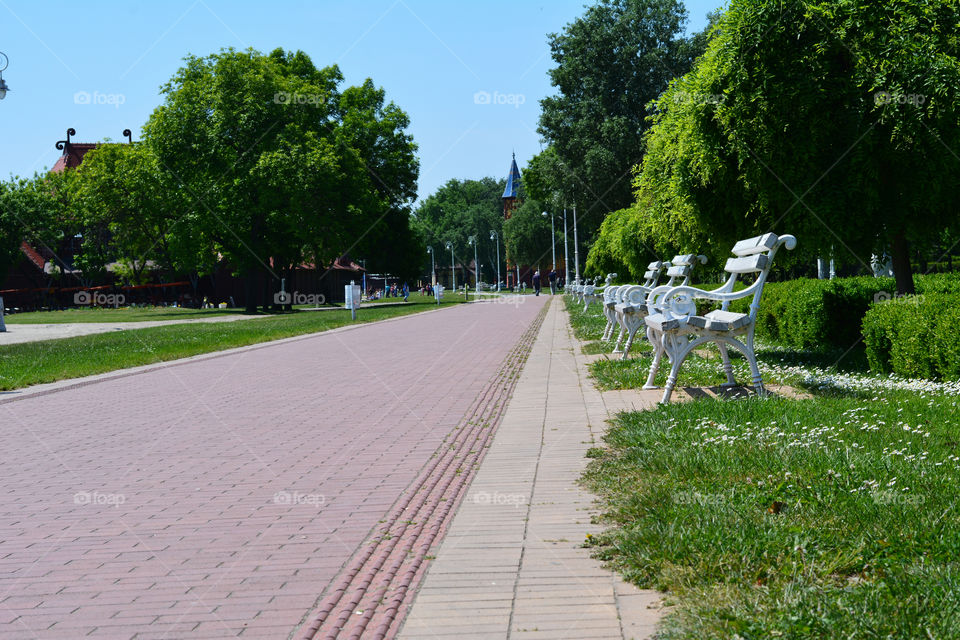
point(469, 74)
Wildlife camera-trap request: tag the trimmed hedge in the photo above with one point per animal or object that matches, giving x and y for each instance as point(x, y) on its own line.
point(915, 336)
point(806, 313)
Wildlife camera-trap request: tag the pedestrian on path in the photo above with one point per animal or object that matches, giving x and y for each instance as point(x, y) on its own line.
point(552, 277)
point(536, 282)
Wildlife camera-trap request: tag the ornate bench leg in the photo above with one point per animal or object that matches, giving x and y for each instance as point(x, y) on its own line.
point(727, 366)
point(616, 349)
point(606, 331)
point(657, 355)
point(677, 348)
point(630, 336)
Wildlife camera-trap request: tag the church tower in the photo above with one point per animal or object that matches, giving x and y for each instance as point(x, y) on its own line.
point(511, 200)
point(511, 194)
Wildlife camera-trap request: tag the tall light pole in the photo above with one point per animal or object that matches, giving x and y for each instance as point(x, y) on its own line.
point(576, 246)
point(476, 263)
point(453, 266)
point(553, 242)
point(566, 261)
point(494, 236)
point(433, 268)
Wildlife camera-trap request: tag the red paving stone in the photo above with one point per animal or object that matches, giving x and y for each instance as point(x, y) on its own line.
point(221, 497)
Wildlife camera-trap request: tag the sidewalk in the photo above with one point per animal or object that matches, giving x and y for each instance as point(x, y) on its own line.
point(511, 564)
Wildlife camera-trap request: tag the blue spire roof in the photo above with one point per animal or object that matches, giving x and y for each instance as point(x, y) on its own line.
point(513, 180)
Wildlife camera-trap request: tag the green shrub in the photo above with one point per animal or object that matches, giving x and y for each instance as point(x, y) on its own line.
point(807, 313)
point(915, 336)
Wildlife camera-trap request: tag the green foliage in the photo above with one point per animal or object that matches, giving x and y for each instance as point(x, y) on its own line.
point(611, 62)
point(807, 313)
point(527, 236)
point(28, 208)
point(277, 165)
point(834, 121)
point(458, 210)
point(915, 336)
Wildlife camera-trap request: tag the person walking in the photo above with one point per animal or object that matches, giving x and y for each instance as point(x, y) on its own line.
point(536, 282)
point(552, 277)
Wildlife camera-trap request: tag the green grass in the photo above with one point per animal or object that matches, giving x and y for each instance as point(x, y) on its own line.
point(834, 516)
point(789, 518)
point(30, 363)
point(123, 314)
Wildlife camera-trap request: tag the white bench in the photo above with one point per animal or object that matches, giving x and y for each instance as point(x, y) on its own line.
point(615, 297)
point(595, 293)
point(674, 328)
point(631, 309)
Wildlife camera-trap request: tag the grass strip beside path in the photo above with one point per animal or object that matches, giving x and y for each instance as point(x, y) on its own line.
point(833, 516)
point(30, 363)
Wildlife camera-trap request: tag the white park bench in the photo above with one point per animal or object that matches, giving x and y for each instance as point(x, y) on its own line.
point(595, 293)
point(615, 297)
point(674, 327)
point(631, 309)
point(610, 296)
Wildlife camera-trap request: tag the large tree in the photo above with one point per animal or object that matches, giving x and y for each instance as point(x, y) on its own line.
point(836, 121)
point(460, 209)
point(28, 211)
point(527, 235)
point(279, 166)
point(611, 62)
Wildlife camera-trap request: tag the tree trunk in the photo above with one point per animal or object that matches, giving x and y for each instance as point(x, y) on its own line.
point(902, 270)
point(250, 292)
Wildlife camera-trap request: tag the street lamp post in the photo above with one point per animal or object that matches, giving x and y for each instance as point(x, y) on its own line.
point(566, 262)
point(4, 61)
point(476, 263)
point(576, 247)
point(453, 265)
point(494, 236)
point(433, 268)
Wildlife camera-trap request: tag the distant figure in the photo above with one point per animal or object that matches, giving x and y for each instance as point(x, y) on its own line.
point(552, 277)
point(406, 291)
point(536, 282)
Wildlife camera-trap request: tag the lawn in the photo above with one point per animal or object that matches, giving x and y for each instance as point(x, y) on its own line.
point(123, 314)
point(832, 516)
point(30, 363)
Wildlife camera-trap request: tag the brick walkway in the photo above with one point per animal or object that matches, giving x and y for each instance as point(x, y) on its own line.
point(228, 495)
point(512, 563)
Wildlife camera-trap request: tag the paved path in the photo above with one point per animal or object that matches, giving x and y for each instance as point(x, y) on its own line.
point(512, 564)
point(17, 333)
point(246, 494)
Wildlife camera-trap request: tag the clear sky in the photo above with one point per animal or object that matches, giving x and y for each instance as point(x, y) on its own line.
point(469, 73)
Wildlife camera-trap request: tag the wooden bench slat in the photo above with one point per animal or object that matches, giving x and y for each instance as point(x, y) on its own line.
point(759, 244)
point(747, 264)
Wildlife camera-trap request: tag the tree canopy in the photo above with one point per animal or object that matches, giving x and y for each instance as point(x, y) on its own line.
point(460, 209)
point(611, 62)
point(834, 121)
point(278, 166)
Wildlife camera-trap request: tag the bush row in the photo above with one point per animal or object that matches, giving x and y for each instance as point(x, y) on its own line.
point(915, 336)
point(807, 313)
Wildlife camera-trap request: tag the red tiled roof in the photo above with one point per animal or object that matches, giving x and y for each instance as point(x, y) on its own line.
point(72, 156)
point(32, 254)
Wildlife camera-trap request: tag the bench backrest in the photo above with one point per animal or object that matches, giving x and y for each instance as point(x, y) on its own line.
point(754, 255)
point(682, 267)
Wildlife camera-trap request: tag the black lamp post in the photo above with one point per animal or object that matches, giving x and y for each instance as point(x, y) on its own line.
point(4, 61)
